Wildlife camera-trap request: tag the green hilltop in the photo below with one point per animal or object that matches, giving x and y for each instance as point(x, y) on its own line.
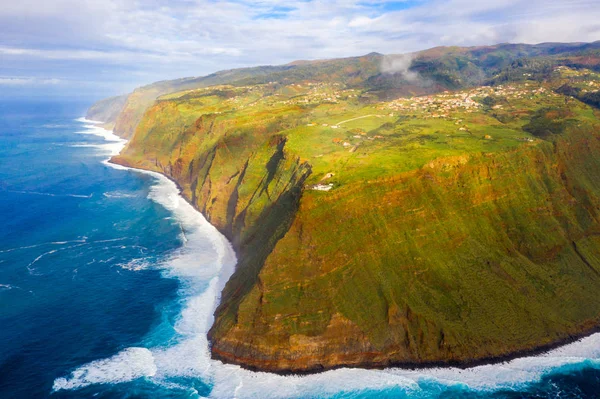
point(435, 208)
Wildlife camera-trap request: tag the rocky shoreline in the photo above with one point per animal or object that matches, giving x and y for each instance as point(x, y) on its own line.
point(250, 364)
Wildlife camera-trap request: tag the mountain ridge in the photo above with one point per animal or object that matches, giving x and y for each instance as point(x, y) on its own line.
point(143, 96)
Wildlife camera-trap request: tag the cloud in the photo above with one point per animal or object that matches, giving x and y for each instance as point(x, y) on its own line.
point(361, 22)
point(399, 64)
point(27, 81)
point(117, 56)
point(149, 40)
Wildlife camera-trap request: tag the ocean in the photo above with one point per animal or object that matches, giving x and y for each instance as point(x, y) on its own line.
point(108, 283)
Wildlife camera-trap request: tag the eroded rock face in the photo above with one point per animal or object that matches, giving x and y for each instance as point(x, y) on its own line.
point(303, 352)
point(430, 268)
point(468, 258)
point(424, 244)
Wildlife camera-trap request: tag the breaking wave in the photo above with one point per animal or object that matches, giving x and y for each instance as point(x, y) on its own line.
point(203, 264)
point(125, 366)
point(118, 194)
point(115, 143)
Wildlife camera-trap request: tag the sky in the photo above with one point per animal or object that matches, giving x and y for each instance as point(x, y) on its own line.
point(97, 48)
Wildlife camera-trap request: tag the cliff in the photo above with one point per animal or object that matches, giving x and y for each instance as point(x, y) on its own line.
point(445, 229)
point(107, 110)
point(453, 263)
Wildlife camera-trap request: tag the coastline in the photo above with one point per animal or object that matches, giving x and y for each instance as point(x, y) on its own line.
point(202, 264)
point(468, 364)
point(120, 143)
point(246, 364)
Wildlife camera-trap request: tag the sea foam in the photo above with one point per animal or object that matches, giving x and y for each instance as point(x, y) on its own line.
point(205, 262)
point(115, 143)
point(125, 366)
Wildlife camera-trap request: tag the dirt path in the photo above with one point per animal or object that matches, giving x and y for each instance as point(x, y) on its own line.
point(360, 117)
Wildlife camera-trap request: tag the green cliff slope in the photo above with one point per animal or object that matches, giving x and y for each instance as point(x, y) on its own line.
point(436, 244)
point(447, 228)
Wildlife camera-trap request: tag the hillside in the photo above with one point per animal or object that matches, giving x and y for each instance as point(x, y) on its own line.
point(442, 209)
point(386, 77)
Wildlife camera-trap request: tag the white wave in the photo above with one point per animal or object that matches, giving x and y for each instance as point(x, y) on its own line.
point(232, 382)
point(32, 270)
point(108, 240)
point(204, 263)
point(39, 245)
point(40, 257)
point(50, 194)
point(206, 260)
point(118, 194)
point(512, 374)
point(125, 366)
point(85, 120)
point(115, 143)
point(135, 264)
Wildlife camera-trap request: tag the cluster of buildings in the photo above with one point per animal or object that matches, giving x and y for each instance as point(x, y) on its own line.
point(320, 92)
point(444, 104)
point(587, 80)
point(308, 93)
point(436, 106)
point(591, 87)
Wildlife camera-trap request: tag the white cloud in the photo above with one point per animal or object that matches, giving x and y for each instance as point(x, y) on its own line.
point(167, 39)
point(27, 81)
point(361, 21)
point(399, 64)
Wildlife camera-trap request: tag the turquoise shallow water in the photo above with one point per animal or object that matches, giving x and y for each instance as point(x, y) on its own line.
point(108, 281)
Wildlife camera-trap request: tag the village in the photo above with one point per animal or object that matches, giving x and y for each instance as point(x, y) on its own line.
point(446, 104)
point(307, 93)
point(592, 87)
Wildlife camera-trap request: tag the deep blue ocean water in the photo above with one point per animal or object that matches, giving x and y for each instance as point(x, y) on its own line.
point(108, 281)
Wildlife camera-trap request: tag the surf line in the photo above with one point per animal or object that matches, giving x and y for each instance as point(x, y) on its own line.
point(49, 194)
point(203, 264)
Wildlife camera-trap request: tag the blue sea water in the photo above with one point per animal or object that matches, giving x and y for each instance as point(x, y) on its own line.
point(108, 281)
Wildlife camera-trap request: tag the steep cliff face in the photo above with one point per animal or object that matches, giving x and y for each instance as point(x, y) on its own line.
point(462, 260)
point(445, 229)
point(247, 185)
point(468, 257)
point(107, 110)
point(141, 99)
